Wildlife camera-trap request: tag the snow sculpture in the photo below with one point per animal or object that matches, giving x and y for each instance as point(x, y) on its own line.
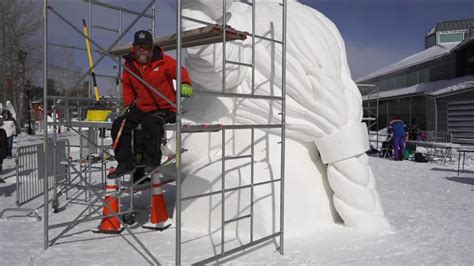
point(324, 114)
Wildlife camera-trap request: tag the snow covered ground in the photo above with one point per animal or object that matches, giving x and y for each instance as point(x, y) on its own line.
point(428, 205)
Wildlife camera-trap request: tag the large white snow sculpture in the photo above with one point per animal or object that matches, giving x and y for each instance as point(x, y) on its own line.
point(323, 114)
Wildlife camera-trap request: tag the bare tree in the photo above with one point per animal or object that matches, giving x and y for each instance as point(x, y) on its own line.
point(20, 23)
point(66, 72)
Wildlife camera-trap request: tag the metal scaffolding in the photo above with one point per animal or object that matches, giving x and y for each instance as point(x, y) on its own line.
point(370, 106)
point(208, 34)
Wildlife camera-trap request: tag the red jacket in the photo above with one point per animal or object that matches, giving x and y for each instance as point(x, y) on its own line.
point(159, 73)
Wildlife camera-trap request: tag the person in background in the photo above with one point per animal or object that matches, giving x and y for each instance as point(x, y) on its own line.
point(413, 131)
point(398, 129)
point(3, 147)
point(9, 125)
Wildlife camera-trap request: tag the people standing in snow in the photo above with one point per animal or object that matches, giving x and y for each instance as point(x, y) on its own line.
point(143, 106)
point(11, 129)
point(398, 129)
point(3, 147)
point(413, 131)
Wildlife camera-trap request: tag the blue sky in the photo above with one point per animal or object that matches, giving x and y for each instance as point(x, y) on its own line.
point(377, 32)
point(381, 32)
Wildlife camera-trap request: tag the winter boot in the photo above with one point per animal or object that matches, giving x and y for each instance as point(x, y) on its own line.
point(122, 169)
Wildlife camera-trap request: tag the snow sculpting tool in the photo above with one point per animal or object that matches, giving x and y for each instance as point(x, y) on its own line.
point(119, 134)
point(159, 219)
point(122, 125)
point(110, 224)
point(98, 112)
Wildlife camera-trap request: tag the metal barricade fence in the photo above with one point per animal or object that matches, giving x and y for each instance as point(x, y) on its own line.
point(89, 135)
point(30, 161)
point(439, 136)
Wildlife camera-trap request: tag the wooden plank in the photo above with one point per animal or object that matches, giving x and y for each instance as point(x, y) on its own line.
point(190, 38)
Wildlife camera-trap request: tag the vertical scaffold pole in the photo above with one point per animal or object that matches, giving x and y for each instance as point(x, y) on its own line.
point(377, 118)
point(45, 122)
point(119, 87)
point(283, 129)
point(223, 193)
point(224, 45)
point(252, 141)
point(253, 47)
point(153, 21)
point(178, 133)
point(224, 74)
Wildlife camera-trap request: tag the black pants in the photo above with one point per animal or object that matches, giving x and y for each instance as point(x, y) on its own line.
point(152, 133)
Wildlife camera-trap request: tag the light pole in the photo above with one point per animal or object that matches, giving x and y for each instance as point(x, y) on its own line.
point(22, 59)
point(28, 91)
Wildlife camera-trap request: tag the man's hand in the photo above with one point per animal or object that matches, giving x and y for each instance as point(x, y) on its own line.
point(186, 90)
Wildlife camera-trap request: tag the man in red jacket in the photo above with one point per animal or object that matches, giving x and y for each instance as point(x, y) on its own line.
point(144, 106)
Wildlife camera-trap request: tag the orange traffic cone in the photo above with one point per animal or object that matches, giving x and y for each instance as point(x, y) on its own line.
point(159, 219)
point(111, 225)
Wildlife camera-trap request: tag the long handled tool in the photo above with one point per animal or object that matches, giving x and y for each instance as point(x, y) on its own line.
point(119, 134)
point(91, 62)
point(122, 125)
point(98, 112)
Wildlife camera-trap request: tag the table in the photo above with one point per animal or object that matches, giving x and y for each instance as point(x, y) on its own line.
point(462, 153)
point(444, 148)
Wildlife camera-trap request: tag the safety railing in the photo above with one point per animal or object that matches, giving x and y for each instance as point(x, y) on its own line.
point(30, 175)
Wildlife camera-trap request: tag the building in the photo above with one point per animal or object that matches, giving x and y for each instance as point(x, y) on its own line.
point(434, 88)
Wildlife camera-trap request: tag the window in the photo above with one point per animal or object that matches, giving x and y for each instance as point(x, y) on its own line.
point(451, 37)
point(424, 75)
point(401, 81)
point(412, 78)
point(383, 85)
point(388, 84)
point(391, 83)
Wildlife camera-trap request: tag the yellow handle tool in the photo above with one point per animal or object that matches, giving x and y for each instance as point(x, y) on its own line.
point(91, 63)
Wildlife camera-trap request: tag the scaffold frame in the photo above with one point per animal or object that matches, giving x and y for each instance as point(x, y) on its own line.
point(85, 173)
point(371, 108)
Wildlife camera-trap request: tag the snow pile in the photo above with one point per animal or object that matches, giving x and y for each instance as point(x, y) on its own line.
point(323, 109)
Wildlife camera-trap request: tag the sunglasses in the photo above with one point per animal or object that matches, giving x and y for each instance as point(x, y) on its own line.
point(142, 46)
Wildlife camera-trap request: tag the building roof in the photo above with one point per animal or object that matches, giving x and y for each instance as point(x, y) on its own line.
point(464, 44)
point(434, 89)
point(415, 59)
point(463, 24)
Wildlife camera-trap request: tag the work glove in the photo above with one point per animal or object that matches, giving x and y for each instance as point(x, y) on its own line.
point(186, 90)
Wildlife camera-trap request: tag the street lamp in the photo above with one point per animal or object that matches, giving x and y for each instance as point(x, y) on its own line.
point(22, 59)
